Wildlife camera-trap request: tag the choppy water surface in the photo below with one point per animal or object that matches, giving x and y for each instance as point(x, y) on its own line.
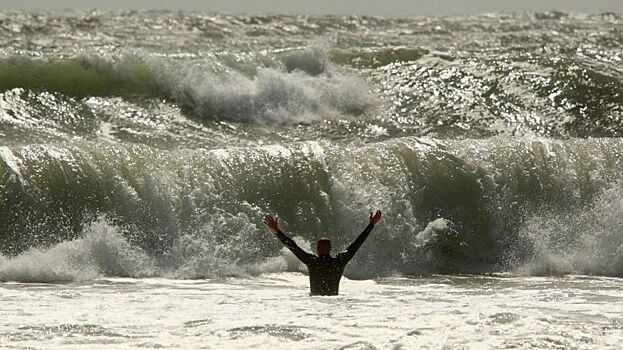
point(147, 145)
point(472, 312)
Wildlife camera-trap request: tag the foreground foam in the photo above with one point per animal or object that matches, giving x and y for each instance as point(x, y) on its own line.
point(102, 251)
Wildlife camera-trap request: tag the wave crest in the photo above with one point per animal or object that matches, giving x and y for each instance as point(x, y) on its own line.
point(300, 87)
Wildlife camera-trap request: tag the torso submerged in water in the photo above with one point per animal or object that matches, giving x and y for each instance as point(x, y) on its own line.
point(325, 271)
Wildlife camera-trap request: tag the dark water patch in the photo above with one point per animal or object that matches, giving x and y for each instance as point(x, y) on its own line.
point(293, 333)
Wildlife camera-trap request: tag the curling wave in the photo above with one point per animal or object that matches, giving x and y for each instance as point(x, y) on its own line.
point(451, 206)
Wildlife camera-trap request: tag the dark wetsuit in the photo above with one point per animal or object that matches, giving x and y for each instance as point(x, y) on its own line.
point(326, 271)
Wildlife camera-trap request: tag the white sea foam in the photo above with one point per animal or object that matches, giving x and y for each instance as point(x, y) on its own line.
point(275, 312)
point(102, 251)
point(272, 95)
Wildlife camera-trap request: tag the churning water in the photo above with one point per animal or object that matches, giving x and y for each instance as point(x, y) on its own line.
point(139, 151)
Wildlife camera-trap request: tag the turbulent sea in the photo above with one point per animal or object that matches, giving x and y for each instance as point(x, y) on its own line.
point(139, 151)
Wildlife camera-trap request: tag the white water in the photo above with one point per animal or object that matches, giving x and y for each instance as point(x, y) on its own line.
point(273, 95)
point(275, 312)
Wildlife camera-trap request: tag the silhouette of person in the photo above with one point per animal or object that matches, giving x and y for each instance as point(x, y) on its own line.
point(325, 271)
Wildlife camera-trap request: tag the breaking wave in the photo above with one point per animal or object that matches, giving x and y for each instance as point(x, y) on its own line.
point(533, 206)
point(300, 87)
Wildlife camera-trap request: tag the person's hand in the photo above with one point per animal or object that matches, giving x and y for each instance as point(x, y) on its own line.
point(272, 223)
point(375, 218)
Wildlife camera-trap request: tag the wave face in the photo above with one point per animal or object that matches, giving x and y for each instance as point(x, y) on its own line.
point(151, 143)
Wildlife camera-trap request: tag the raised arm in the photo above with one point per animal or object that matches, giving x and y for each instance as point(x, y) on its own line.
point(354, 247)
point(273, 225)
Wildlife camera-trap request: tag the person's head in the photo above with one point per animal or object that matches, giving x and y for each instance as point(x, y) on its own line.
point(323, 247)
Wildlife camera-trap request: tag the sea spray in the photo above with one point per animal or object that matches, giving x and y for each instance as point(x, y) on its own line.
point(101, 251)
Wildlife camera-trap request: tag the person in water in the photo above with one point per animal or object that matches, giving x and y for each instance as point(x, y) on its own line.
point(325, 271)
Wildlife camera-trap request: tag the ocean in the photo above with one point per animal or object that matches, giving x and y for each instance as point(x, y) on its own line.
point(139, 151)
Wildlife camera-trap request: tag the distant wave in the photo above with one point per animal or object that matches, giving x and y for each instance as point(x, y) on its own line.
point(302, 87)
point(81, 76)
point(420, 92)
